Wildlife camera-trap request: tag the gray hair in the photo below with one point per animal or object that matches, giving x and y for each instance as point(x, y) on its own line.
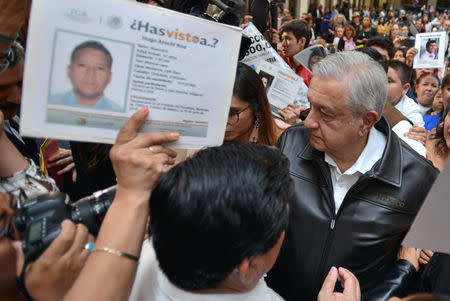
point(365, 78)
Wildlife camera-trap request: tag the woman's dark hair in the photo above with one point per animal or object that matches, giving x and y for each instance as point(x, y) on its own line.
point(441, 144)
point(248, 87)
point(95, 156)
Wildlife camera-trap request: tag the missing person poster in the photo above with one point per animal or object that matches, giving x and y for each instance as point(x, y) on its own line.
point(431, 47)
point(260, 56)
point(92, 64)
point(280, 86)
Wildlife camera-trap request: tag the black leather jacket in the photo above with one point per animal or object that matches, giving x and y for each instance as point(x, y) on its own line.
point(365, 234)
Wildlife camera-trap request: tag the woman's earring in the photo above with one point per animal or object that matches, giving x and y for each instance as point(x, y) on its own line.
point(257, 121)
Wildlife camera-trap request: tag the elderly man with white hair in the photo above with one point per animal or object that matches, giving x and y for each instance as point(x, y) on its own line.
point(358, 186)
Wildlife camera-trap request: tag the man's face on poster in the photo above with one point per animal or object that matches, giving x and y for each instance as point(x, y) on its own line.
point(90, 73)
point(431, 47)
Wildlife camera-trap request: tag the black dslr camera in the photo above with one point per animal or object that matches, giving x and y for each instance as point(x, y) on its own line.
point(38, 219)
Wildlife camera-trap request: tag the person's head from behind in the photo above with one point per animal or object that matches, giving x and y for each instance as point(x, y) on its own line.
point(295, 36)
point(399, 78)
point(347, 95)
point(427, 85)
point(250, 109)
point(431, 46)
point(90, 70)
point(383, 45)
point(11, 83)
point(422, 297)
point(217, 220)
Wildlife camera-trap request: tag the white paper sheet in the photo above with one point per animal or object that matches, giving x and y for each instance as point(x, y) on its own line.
point(179, 66)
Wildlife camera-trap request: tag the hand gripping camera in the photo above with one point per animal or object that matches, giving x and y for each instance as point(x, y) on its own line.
point(39, 218)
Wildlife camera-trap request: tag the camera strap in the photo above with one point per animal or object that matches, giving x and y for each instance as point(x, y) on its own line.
point(20, 283)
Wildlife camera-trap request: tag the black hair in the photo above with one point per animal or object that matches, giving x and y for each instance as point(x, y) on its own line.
point(403, 71)
point(430, 42)
point(375, 55)
point(299, 28)
point(248, 87)
point(214, 210)
point(382, 42)
point(94, 45)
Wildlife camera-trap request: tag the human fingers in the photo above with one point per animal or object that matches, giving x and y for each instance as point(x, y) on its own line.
point(328, 284)
point(80, 240)
point(74, 175)
point(145, 140)
point(61, 162)
point(154, 149)
point(429, 253)
point(63, 241)
point(129, 130)
point(349, 282)
point(66, 169)
point(62, 153)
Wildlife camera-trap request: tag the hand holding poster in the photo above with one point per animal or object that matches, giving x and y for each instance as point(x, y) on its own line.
point(91, 64)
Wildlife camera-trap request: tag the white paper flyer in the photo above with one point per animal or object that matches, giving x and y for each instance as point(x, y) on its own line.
point(92, 64)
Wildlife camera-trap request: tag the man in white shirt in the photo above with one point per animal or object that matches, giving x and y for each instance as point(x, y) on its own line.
point(430, 53)
point(354, 181)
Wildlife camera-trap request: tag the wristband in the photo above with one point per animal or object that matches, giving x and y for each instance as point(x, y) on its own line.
point(116, 252)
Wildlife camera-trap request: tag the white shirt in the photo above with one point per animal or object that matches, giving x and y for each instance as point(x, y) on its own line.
point(342, 182)
point(423, 110)
point(151, 284)
point(427, 57)
point(400, 129)
point(411, 110)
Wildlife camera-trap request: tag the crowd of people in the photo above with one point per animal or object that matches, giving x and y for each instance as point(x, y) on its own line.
point(311, 207)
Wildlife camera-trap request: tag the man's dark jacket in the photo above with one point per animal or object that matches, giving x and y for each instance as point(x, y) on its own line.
point(365, 234)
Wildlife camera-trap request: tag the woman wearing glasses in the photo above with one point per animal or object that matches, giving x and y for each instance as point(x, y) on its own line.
point(250, 118)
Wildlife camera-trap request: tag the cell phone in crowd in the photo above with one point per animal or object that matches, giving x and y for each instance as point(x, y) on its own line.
point(408, 43)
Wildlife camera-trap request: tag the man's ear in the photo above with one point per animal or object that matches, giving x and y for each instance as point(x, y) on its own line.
point(405, 88)
point(249, 270)
point(302, 42)
point(369, 119)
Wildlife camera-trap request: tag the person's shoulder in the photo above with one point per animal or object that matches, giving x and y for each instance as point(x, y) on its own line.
point(293, 138)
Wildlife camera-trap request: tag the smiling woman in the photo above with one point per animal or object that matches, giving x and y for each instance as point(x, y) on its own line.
point(250, 118)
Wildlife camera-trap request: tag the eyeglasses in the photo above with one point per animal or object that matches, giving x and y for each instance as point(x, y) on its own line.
point(233, 117)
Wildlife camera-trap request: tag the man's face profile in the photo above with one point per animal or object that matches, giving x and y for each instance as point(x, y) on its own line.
point(89, 73)
point(431, 47)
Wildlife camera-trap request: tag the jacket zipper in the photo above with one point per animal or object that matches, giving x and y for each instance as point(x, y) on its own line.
point(333, 220)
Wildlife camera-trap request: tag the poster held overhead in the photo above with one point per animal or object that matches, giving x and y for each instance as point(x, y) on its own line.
point(431, 47)
point(92, 64)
